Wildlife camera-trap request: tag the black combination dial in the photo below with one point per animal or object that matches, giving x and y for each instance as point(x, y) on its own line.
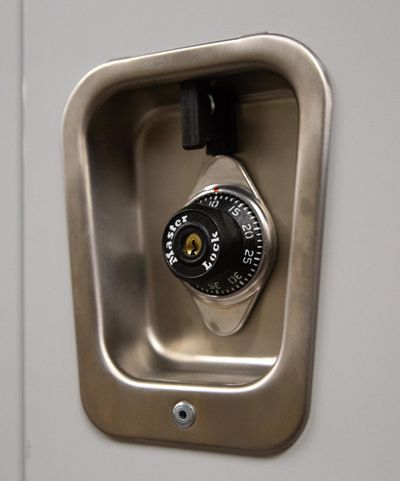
point(215, 244)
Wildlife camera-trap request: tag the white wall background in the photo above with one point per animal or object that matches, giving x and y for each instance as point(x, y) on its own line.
point(11, 409)
point(352, 433)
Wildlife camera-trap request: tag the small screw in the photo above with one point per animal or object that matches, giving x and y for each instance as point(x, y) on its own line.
point(184, 414)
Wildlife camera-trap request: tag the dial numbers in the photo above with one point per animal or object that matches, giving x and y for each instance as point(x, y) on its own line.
point(236, 277)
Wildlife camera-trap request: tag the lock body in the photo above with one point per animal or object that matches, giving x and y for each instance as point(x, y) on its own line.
point(233, 245)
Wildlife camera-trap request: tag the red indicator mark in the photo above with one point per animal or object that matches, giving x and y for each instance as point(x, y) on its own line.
point(216, 189)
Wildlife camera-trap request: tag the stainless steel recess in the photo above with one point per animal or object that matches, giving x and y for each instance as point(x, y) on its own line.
point(142, 344)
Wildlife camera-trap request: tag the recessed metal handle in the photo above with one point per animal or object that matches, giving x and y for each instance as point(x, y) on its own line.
point(148, 365)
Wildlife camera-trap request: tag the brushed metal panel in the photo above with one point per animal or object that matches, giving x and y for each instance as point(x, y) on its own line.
point(140, 346)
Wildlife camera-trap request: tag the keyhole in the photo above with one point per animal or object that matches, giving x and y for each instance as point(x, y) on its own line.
point(192, 245)
point(194, 248)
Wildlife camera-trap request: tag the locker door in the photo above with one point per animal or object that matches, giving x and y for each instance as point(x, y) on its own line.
point(352, 432)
